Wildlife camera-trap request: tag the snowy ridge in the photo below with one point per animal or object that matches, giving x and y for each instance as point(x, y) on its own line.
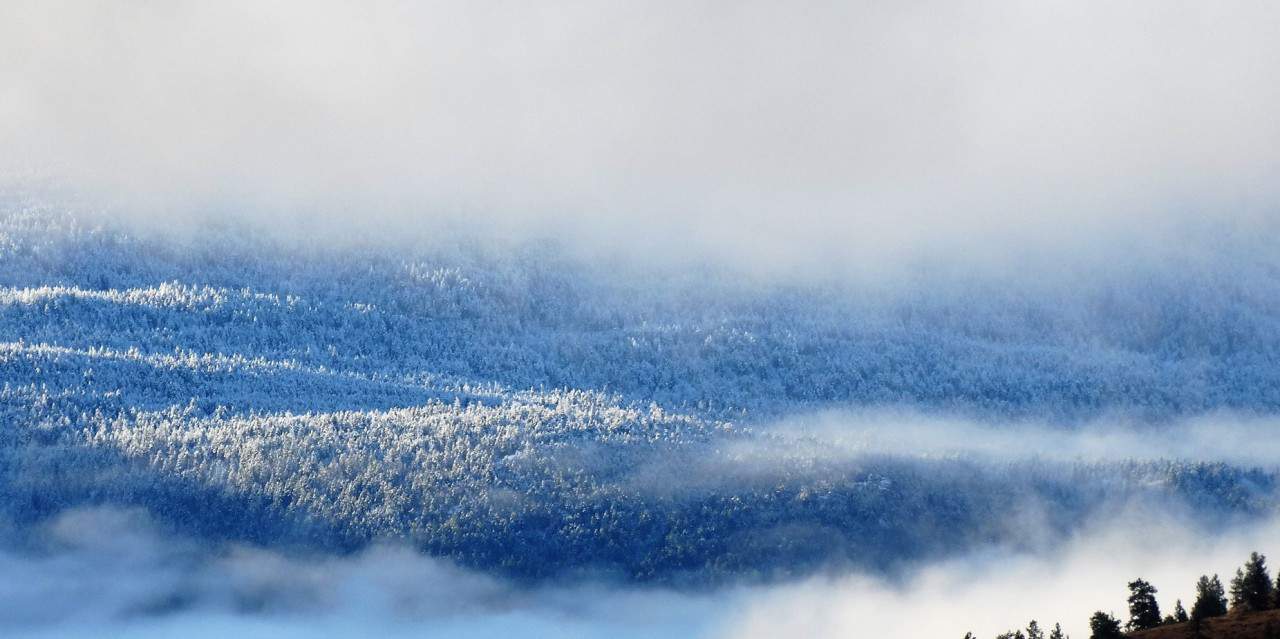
point(527, 414)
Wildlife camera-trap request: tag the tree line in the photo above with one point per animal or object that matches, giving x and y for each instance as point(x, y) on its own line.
point(1251, 590)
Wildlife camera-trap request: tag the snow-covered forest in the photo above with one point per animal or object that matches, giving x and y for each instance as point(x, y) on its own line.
point(526, 413)
point(721, 320)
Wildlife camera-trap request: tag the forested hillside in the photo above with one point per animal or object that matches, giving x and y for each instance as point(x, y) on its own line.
point(530, 413)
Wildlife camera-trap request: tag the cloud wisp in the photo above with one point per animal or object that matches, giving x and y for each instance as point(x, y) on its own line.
point(1215, 437)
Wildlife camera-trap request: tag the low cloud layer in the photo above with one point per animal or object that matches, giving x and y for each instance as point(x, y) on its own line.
point(114, 573)
point(991, 593)
point(109, 571)
point(833, 136)
point(1215, 437)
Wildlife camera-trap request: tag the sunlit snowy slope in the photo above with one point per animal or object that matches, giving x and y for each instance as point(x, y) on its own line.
point(534, 414)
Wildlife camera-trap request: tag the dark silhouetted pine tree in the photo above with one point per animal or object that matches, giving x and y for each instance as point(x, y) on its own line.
point(1255, 584)
point(1104, 626)
point(1237, 590)
point(1211, 601)
point(1057, 632)
point(1144, 612)
point(1179, 613)
point(1034, 631)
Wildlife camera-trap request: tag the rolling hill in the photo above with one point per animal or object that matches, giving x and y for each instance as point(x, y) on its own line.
point(529, 413)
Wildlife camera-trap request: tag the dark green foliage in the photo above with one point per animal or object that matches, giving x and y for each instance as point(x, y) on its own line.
point(1034, 631)
point(1057, 632)
point(1104, 626)
point(1254, 585)
point(1237, 590)
point(1144, 612)
point(1178, 616)
point(1211, 601)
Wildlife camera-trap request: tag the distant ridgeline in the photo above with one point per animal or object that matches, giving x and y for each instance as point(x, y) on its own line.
point(531, 415)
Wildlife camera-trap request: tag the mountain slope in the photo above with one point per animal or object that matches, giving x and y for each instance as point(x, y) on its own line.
point(528, 414)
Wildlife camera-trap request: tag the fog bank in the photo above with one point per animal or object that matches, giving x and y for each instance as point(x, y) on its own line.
point(111, 572)
point(839, 136)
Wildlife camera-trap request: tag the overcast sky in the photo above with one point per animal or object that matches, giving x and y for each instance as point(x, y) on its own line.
point(791, 133)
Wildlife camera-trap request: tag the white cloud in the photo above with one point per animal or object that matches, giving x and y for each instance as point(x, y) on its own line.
point(829, 135)
point(104, 571)
point(1213, 437)
point(991, 593)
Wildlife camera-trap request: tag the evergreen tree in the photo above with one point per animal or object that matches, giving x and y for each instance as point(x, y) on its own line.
point(1104, 626)
point(1144, 612)
point(1034, 631)
point(1210, 599)
point(1255, 584)
point(1057, 632)
point(1237, 590)
point(1179, 613)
